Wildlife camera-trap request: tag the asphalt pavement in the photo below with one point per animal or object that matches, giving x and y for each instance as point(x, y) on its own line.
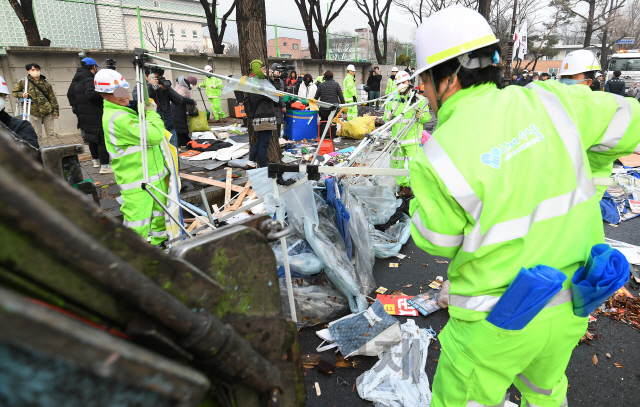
point(598, 385)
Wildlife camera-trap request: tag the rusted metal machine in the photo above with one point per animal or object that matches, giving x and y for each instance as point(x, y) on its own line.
point(127, 324)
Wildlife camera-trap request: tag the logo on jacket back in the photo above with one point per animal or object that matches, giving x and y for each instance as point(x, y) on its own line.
point(510, 149)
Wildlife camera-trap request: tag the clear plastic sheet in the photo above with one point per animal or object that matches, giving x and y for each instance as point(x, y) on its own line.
point(317, 301)
point(379, 202)
point(389, 243)
point(302, 259)
point(362, 244)
point(251, 84)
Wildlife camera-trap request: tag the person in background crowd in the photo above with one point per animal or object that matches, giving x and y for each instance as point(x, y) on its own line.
point(525, 79)
point(292, 82)
point(180, 116)
point(86, 104)
point(280, 107)
point(615, 84)
point(44, 105)
point(22, 128)
point(328, 91)
point(307, 88)
point(544, 76)
point(514, 79)
point(350, 92)
point(262, 113)
point(374, 85)
point(239, 95)
point(163, 95)
point(535, 77)
point(596, 83)
point(634, 91)
point(391, 82)
point(214, 87)
point(319, 79)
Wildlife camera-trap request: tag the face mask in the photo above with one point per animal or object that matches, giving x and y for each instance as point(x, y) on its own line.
point(2, 103)
point(535, 80)
point(35, 75)
point(393, 76)
point(568, 81)
point(152, 81)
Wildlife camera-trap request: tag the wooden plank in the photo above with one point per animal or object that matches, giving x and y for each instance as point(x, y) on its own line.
point(240, 198)
point(216, 183)
point(632, 160)
point(227, 187)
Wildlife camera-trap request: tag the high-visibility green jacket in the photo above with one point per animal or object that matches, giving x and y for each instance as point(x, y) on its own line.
point(122, 139)
point(213, 85)
point(414, 135)
point(391, 86)
point(496, 192)
point(349, 88)
point(319, 79)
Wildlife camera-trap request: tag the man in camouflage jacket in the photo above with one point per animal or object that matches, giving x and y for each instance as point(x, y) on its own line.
point(44, 105)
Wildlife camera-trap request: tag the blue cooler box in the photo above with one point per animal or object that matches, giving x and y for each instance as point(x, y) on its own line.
point(301, 124)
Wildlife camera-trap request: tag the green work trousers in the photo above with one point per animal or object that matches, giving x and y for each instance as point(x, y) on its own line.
point(401, 158)
point(352, 112)
point(216, 109)
point(143, 215)
point(479, 361)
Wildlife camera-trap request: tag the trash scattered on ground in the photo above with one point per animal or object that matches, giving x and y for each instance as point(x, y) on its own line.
point(312, 360)
point(399, 378)
point(400, 256)
point(317, 386)
point(426, 303)
point(441, 261)
point(382, 290)
point(397, 304)
point(437, 283)
point(393, 264)
point(622, 308)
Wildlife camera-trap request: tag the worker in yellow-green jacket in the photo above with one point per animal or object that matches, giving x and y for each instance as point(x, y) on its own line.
point(122, 138)
point(411, 142)
point(350, 92)
point(391, 82)
point(213, 88)
point(497, 192)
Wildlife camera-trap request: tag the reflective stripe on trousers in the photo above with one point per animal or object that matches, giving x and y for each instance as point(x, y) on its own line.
point(565, 403)
point(485, 303)
point(473, 403)
point(549, 208)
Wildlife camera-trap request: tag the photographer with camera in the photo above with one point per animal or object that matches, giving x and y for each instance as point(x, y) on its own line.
point(86, 104)
point(373, 82)
point(278, 83)
point(159, 89)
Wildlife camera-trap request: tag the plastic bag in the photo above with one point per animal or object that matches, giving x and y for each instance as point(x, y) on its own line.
point(389, 243)
point(399, 379)
point(302, 259)
point(317, 301)
point(357, 128)
point(379, 202)
point(362, 244)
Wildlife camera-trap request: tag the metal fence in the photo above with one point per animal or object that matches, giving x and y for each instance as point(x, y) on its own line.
point(167, 26)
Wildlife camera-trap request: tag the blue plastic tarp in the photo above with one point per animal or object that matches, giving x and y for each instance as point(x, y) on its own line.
point(609, 209)
point(526, 296)
point(605, 272)
point(342, 215)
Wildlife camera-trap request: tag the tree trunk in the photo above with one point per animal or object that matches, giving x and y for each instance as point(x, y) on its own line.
point(603, 49)
point(588, 32)
point(24, 11)
point(322, 44)
point(484, 8)
point(251, 18)
point(307, 21)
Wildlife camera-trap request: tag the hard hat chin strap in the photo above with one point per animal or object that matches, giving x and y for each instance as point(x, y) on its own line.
point(433, 82)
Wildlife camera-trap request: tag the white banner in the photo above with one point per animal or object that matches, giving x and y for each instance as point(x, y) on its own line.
point(523, 40)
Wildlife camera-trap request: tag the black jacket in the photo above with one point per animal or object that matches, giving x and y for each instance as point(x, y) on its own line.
point(279, 85)
point(22, 128)
point(180, 116)
point(525, 81)
point(330, 91)
point(615, 85)
point(164, 99)
point(374, 82)
point(261, 106)
point(596, 85)
point(86, 103)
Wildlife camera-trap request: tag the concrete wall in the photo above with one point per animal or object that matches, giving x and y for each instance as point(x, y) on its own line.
point(59, 66)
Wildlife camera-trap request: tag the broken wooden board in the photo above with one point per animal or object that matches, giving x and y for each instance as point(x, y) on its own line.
point(227, 187)
point(632, 160)
point(235, 188)
point(313, 359)
point(240, 197)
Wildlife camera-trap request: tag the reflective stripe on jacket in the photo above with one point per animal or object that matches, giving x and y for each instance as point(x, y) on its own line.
point(122, 139)
point(398, 105)
point(213, 86)
point(349, 88)
point(391, 86)
point(497, 192)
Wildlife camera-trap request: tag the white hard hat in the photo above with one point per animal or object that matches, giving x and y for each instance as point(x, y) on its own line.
point(525, 71)
point(208, 68)
point(3, 86)
point(598, 75)
point(394, 69)
point(107, 80)
point(402, 76)
point(458, 30)
point(579, 61)
point(350, 67)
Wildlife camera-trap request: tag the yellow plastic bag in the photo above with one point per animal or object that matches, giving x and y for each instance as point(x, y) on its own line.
point(356, 128)
point(199, 122)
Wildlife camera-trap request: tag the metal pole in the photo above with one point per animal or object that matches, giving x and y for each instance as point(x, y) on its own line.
point(356, 51)
point(140, 28)
point(285, 255)
point(324, 134)
point(511, 42)
point(206, 205)
point(275, 27)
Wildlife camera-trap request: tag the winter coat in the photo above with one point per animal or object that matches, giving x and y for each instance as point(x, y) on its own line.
point(22, 128)
point(262, 106)
point(213, 85)
point(349, 88)
point(180, 116)
point(279, 85)
point(374, 82)
point(164, 99)
point(525, 81)
point(615, 85)
point(44, 100)
point(308, 91)
point(330, 91)
point(86, 103)
point(391, 85)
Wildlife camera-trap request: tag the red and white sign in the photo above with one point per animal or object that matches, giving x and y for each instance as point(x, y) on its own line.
point(397, 305)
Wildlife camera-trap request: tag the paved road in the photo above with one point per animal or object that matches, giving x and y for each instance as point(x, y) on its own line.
point(590, 385)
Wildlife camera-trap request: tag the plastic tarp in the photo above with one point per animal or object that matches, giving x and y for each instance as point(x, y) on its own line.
point(609, 209)
point(251, 84)
point(362, 244)
point(342, 215)
point(399, 378)
point(317, 301)
point(302, 259)
point(526, 296)
point(605, 272)
point(389, 243)
point(379, 202)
